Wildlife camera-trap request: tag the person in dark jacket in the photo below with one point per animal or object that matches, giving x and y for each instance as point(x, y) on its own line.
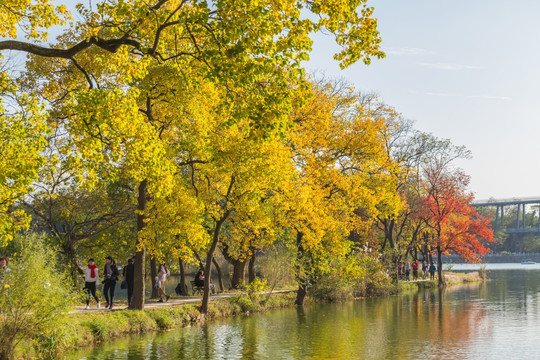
point(110, 274)
point(199, 278)
point(432, 269)
point(129, 275)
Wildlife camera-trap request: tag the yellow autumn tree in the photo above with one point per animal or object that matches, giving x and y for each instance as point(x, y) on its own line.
point(343, 178)
point(100, 77)
point(21, 116)
point(240, 174)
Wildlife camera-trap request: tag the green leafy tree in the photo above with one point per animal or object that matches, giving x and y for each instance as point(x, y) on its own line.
point(33, 294)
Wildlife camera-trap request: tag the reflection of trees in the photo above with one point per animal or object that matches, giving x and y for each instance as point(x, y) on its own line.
point(408, 326)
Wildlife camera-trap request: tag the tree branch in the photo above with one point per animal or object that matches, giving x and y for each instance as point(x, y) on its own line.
point(110, 45)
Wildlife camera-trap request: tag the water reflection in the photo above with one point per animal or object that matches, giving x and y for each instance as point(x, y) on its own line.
point(493, 320)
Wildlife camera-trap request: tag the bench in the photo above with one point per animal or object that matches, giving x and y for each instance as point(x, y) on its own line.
point(200, 289)
point(196, 289)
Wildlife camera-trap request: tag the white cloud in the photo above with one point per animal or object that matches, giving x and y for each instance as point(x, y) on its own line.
point(482, 96)
point(490, 97)
point(441, 94)
point(407, 51)
point(448, 66)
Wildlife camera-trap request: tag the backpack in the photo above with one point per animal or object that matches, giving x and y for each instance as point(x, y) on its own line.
point(178, 289)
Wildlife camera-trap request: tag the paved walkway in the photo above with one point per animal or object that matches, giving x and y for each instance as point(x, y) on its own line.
point(153, 304)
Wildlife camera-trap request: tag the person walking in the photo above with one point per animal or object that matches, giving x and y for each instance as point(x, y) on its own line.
point(424, 269)
point(432, 269)
point(415, 270)
point(91, 281)
point(129, 275)
point(408, 271)
point(110, 275)
point(162, 276)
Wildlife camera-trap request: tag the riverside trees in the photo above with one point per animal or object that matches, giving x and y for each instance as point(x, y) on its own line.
point(193, 126)
point(102, 78)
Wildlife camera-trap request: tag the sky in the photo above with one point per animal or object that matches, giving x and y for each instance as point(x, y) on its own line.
point(466, 70)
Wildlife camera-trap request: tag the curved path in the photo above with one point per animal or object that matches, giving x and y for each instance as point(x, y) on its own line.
point(153, 304)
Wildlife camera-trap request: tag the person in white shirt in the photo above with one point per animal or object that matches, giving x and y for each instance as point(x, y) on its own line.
point(91, 281)
point(162, 276)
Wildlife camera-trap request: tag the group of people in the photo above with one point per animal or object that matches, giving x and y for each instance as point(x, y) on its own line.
point(404, 270)
point(111, 276)
point(91, 281)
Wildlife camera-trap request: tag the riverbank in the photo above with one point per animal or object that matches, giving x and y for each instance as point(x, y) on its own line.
point(85, 328)
point(452, 279)
point(463, 322)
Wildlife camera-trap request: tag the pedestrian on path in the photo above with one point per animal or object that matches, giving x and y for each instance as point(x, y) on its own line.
point(432, 269)
point(415, 269)
point(129, 275)
point(162, 276)
point(425, 269)
point(110, 275)
point(408, 271)
point(91, 281)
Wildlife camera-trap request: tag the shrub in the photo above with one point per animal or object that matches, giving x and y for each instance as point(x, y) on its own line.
point(331, 287)
point(33, 297)
point(139, 321)
point(482, 272)
point(164, 320)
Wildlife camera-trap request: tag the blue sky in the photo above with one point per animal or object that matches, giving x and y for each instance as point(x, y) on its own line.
point(467, 70)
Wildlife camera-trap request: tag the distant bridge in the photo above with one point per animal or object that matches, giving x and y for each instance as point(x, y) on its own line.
point(521, 225)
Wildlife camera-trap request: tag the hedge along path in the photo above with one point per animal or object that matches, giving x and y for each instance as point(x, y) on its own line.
point(172, 302)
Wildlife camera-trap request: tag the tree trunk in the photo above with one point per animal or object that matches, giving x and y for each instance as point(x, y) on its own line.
point(239, 273)
point(239, 267)
point(198, 259)
point(137, 302)
point(208, 268)
point(251, 268)
point(153, 274)
point(7, 354)
point(302, 280)
point(395, 261)
point(183, 287)
point(442, 282)
point(301, 294)
point(219, 275)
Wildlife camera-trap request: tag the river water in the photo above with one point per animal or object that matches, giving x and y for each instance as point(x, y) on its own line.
point(499, 319)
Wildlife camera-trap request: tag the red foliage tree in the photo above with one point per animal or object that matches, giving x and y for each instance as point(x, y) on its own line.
point(455, 225)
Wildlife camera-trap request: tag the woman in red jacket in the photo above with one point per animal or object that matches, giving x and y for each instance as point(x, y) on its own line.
point(415, 269)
